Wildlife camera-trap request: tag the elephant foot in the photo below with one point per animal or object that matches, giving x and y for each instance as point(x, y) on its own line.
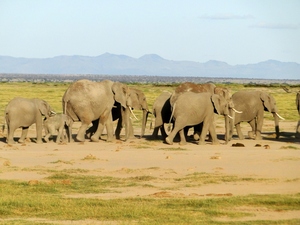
point(241, 137)
point(258, 138)
point(201, 142)
point(21, 141)
point(39, 142)
point(251, 134)
point(95, 138)
point(182, 143)
point(11, 142)
point(196, 137)
point(168, 141)
point(215, 143)
point(79, 139)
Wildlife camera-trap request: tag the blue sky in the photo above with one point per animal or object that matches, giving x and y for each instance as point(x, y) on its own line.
point(236, 32)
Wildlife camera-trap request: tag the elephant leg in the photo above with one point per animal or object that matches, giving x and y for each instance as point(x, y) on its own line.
point(213, 134)
point(60, 134)
point(155, 132)
point(10, 134)
point(80, 135)
point(39, 131)
point(47, 136)
point(131, 134)
point(104, 120)
point(182, 137)
point(205, 127)
point(92, 129)
point(239, 131)
point(118, 128)
point(251, 133)
point(197, 131)
point(297, 135)
point(259, 128)
point(23, 135)
point(173, 133)
point(163, 131)
point(69, 131)
point(109, 128)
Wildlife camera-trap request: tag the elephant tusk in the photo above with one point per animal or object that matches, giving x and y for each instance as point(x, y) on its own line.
point(230, 117)
point(133, 113)
point(236, 110)
point(279, 116)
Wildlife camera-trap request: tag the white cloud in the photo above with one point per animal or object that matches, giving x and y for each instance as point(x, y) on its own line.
point(226, 16)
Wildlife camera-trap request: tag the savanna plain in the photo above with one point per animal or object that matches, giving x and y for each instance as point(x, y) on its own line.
point(145, 181)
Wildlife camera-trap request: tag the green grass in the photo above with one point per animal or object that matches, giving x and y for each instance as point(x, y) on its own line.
point(50, 199)
point(20, 201)
point(53, 92)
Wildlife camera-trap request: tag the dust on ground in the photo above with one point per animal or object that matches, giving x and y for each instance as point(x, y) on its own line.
point(268, 166)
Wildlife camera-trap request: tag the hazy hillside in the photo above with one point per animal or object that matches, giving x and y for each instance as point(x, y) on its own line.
point(152, 65)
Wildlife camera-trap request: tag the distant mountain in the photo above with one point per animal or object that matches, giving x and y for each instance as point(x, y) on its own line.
point(150, 64)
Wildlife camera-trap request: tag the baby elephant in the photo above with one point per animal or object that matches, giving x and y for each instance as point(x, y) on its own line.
point(57, 123)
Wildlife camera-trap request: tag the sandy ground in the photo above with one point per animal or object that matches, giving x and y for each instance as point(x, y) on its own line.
point(271, 168)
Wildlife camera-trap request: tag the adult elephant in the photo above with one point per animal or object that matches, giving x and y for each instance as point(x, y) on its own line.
point(253, 104)
point(212, 89)
point(23, 112)
point(191, 109)
point(87, 101)
point(297, 135)
point(161, 110)
point(139, 102)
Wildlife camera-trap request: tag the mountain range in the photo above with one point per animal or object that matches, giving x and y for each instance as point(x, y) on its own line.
point(150, 64)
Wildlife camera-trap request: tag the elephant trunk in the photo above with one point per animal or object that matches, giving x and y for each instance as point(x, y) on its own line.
point(227, 129)
point(231, 124)
point(144, 122)
point(276, 119)
point(125, 112)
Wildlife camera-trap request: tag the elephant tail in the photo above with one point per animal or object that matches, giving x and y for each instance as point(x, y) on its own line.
point(5, 122)
point(171, 117)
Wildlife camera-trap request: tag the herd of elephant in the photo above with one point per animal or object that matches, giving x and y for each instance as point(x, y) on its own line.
point(100, 103)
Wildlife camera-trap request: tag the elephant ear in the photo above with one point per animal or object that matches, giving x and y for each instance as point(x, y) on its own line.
point(120, 92)
point(215, 99)
point(135, 99)
point(266, 101)
point(43, 107)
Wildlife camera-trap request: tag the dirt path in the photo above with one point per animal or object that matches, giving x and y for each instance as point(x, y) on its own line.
point(189, 171)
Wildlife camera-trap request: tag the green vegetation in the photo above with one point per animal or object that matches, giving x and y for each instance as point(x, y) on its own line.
point(53, 92)
point(60, 198)
point(71, 195)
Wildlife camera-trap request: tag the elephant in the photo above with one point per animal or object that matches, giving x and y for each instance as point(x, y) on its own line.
point(212, 89)
point(138, 101)
point(191, 109)
point(297, 135)
point(23, 112)
point(87, 101)
point(57, 123)
point(162, 112)
point(253, 104)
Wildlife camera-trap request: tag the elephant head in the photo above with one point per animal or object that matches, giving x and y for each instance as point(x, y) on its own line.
point(269, 104)
point(121, 94)
point(139, 102)
point(220, 105)
point(44, 108)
